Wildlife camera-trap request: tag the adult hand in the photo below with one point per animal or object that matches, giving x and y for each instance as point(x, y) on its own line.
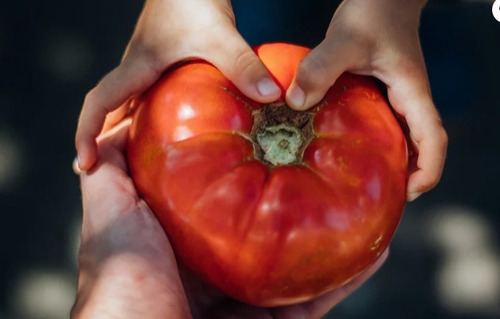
point(380, 38)
point(169, 31)
point(127, 268)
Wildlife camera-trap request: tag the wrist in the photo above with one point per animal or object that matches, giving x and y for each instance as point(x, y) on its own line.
point(126, 286)
point(397, 6)
point(380, 16)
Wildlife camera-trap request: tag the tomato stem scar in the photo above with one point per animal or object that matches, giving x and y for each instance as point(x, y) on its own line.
point(280, 134)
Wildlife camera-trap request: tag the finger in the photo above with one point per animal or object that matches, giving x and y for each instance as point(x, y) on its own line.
point(109, 173)
point(112, 119)
point(412, 99)
point(317, 72)
point(239, 63)
point(112, 145)
point(320, 306)
point(115, 138)
point(115, 117)
point(117, 86)
point(431, 141)
point(74, 166)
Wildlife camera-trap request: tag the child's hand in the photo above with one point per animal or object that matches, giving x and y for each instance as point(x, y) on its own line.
point(380, 38)
point(167, 32)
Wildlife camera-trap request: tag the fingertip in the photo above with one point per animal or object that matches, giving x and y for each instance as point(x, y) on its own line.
point(299, 99)
point(412, 196)
point(314, 76)
point(268, 89)
point(416, 186)
point(295, 97)
point(245, 70)
point(420, 181)
point(75, 166)
point(84, 165)
point(86, 156)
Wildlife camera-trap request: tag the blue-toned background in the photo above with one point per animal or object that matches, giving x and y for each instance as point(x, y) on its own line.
point(445, 259)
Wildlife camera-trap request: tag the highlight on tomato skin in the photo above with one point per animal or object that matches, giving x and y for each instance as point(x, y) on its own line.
point(270, 233)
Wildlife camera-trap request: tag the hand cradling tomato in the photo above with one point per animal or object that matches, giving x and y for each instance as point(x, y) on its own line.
point(271, 206)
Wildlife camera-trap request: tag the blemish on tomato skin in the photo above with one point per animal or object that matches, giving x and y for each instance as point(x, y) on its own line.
point(370, 95)
point(354, 181)
point(320, 105)
point(376, 244)
point(340, 161)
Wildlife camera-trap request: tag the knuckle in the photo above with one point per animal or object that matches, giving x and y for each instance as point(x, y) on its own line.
point(247, 62)
point(439, 134)
point(426, 182)
point(443, 137)
point(90, 97)
point(141, 47)
point(93, 102)
point(146, 53)
point(411, 69)
point(430, 181)
point(312, 72)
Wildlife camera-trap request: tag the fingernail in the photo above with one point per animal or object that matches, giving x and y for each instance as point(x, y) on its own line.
point(267, 87)
point(296, 97)
point(76, 166)
point(79, 163)
point(413, 196)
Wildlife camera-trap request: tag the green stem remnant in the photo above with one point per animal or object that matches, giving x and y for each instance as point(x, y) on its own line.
point(280, 144)
point(281, 134)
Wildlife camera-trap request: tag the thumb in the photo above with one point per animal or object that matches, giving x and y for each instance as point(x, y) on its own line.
point(316, 73)
point(239, 63)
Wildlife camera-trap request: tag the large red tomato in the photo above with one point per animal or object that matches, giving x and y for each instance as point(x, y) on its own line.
point(270, 205)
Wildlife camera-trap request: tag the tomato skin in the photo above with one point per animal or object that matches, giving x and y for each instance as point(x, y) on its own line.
point(269, 236)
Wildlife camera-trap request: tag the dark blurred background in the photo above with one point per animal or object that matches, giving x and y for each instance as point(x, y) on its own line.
point(445, 259)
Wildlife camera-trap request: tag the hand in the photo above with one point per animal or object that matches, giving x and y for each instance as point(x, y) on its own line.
point(127, 268)
point(169, 31)
point(380, 38)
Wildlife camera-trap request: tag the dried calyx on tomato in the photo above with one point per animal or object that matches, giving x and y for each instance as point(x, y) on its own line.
point(271, 206)
point(280, 134)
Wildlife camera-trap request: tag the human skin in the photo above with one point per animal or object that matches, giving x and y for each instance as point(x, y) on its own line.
point(169, 31)
point(372, 37)
point(380, 38)
point(127, 268)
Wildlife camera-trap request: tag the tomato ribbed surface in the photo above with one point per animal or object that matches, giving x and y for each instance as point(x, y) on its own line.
point(269, 235)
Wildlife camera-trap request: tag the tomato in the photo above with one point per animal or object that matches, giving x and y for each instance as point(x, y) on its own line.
point(269, 205)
